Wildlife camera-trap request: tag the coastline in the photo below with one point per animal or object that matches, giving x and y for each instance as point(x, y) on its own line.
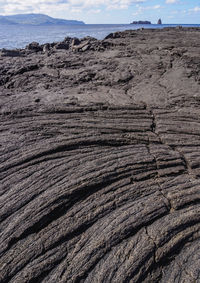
point(100, 158)
point(44, 34)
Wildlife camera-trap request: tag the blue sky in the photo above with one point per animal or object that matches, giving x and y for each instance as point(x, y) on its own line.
point(109, 11)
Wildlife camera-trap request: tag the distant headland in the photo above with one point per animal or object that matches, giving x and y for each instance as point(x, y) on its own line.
point(36, 19)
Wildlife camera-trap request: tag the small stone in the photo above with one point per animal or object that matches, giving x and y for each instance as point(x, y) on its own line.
point(86, 47)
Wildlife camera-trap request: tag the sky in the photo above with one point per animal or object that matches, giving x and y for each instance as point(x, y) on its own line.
point(109, 11)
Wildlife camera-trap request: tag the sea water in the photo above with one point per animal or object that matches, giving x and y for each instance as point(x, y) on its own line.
point(18, 36)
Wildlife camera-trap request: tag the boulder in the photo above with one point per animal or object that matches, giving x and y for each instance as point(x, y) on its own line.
point(46, 47)
point(34, 46)
point(113, 35)
point(62, 45)
point(81, 47)
point(75, 41)
point(89, 38)
point(86, 47)
point(10, 53)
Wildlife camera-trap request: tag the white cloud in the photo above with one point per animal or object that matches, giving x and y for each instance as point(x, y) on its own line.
point(141, 9)
point(93, 11)
point(54, 6)
point(195, 9)
point(156, 7)
point(108, 4)
point(171, 1)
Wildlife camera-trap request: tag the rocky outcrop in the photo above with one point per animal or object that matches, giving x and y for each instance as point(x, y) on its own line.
point(141, 23)
point(34, 46)
point(10, 53)
point(159, 22)
point(100, 160)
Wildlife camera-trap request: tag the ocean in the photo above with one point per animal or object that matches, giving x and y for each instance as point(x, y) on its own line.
point(19, 36)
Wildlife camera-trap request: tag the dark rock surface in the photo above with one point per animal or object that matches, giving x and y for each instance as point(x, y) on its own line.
point(100, 159)
point(159, 22)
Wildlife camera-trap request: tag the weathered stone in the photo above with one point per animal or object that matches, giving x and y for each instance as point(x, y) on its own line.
point(100, 160)
point(75, 41)
point(46, 47)
point(62, 45)
point(86, 47)
point(34, 46)
point(81, 46)
point(113, 35)
point(10, 53)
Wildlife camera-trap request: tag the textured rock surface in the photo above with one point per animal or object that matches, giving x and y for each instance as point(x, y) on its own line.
point(100, 159)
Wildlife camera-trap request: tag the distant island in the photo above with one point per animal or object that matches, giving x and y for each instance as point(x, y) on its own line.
point(141, 23)
point(36, 19)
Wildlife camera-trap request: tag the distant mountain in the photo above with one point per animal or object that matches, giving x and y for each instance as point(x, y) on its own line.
point(36, 19)
point(4, 21)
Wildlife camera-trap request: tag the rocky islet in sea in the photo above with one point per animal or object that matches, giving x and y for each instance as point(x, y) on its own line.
point(100, 159)
point(141, 23)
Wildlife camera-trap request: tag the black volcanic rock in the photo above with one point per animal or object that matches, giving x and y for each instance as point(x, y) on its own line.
point(113, 35)
point(100, 160)
point(10, 53)
point(62, 45)
point(159, 22)
point(34, 46)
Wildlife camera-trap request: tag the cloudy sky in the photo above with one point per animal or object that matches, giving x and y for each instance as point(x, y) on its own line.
point(109, 11)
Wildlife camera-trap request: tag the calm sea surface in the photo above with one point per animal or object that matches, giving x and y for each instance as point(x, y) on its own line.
point(19, 36)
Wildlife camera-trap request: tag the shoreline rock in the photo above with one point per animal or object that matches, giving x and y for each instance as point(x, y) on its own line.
point(100, 159)
point(68, 41)
point(159, 22)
